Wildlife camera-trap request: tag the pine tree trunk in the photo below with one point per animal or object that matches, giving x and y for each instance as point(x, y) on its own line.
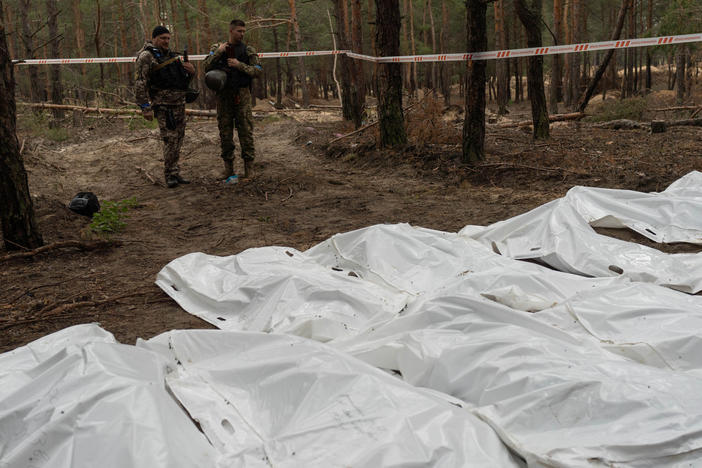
point(630, 52)
point(202, 4)
point(55, 51)
point(680, 75)
point(568, 97)
point(358, 67)
point(126, 76)
point(445, 68)
point(79, 33)
point(556, 91)
point(501, 65)
point(474, 124)
point(35, 82)
point(432, 66)
point(531, 18)
point(98, 22)
point(414, 82)
point(301, 61)
point(389, 76)
point(11, 46)
point(278, 74)
point(575, 59)
point(19, 226)
point(649, 78)
point(342, 28)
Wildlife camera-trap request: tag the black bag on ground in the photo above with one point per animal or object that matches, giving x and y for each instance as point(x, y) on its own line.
point(85, 203)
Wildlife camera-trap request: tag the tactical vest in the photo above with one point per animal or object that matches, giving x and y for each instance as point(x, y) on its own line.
point(236, 78)
point(168, 76)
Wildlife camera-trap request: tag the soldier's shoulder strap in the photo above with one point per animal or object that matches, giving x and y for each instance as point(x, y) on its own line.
point(165, 63)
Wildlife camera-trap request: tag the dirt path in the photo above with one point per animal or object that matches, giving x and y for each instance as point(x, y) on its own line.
point(300, 197)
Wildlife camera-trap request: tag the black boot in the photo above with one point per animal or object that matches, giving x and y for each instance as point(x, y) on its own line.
point(181, 180)
point(171, 181)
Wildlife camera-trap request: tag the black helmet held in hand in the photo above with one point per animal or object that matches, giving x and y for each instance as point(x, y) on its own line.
point(216, 80)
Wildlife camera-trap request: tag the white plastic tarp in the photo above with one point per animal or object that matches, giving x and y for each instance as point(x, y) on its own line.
point(261, 399)
point(77, 399)
point(559, 235)
point(666, 217)
point(273, 400)
point(580, 383)
point(276, 289)
point(556, 399)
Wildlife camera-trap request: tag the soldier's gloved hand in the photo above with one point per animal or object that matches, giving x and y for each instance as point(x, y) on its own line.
point(189, 68)
point(148, 113)
point(222, 47)
point(234, 63)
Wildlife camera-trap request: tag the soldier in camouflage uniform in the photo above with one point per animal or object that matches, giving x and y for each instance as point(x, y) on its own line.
point(241, 64)
point(161, 84)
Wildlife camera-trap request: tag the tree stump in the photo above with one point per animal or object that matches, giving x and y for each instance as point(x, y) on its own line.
point(658, 126)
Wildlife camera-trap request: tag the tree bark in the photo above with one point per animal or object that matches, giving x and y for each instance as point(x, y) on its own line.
point(301, 61)
point(531, 19)
point(98, 22)
point(680, 61)
point(36, 83)
point(359, 82)
point(19, 226)
point(474, 124)
point(278, 74)
point(79, 33)
point(342, 32)
point(585, 99)
point(445, 68)
point(389, 76)
point(556, 90)
point(501, 65)
point(649, 78)
point(11, 46)
point(414, 82)
point(55, 51)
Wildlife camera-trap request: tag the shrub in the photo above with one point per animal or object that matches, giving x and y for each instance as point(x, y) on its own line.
point(631, 109)
point(111, 217)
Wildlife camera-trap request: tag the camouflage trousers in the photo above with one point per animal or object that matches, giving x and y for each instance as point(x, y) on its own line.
point(234, 110)
point(171, 123)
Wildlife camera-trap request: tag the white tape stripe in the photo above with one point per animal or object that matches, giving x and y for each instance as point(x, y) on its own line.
point(488, 55)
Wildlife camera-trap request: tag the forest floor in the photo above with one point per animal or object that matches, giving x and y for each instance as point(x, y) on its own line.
point(305, 191)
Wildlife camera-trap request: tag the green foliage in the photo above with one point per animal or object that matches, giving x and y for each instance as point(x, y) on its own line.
point(615, 109)
point(111, 217)
point(139, 122)
point(38, 125)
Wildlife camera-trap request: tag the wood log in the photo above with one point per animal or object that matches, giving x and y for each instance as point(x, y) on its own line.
point(551, 118)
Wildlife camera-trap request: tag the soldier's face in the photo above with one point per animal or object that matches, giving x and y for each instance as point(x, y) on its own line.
point(162, 41)
point(236, 34)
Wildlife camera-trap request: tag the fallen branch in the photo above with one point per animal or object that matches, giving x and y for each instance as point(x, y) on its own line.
point(679, 108)
point(523, 166)
point(551, 118)
point(147, 175)
point(81, 245)
point(100, 110)
point(288, 197)
point(623, 124)
point(685, 123)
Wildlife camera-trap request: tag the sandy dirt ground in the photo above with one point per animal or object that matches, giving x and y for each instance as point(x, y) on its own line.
point(305, 191)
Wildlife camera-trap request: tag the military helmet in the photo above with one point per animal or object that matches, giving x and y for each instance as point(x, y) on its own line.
point(216, 79)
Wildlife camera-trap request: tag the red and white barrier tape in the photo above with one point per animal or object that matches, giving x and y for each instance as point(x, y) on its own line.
point(489, 55)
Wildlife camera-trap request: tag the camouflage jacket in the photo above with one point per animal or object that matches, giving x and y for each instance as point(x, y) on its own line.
point(253, 69)
point(143, 92)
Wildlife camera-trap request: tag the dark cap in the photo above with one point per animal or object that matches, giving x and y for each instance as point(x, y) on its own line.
point(158, 30)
